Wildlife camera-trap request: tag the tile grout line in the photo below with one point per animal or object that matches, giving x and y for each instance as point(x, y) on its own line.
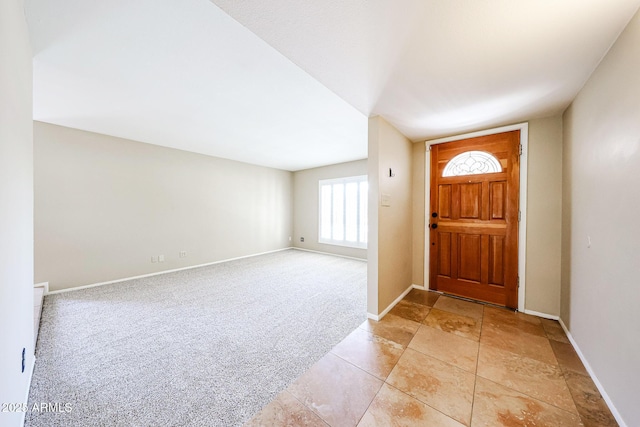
point(478, 358)
point(378, 392)
point(384, 381)
point(475, 380)
point(532, 397)
point(426, 403)
point(476, 374)
point(473, 397)
point(444, 361)
point(301, 403)
point(572, 397)
point(421, 401)
point(356, 366)
point(564, 377)
point(526, 394)
point(519, 355)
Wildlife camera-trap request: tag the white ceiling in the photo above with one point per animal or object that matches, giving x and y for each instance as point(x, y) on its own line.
point(290, 83)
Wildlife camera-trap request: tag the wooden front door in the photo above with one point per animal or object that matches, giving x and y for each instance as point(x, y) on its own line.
point(475, 185)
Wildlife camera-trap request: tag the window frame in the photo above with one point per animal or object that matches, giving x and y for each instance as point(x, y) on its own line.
point(344, 181)
point(451, 166)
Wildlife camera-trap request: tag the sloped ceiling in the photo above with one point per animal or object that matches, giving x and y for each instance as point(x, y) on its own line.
point(290, 84)
point(439, 67)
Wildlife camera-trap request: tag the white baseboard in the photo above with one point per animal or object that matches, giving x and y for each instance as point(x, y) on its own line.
point(390, 307)
point(77, 288)
point(597, 382)
point(26, 397)
point(44, 285)
point(544, 315)
point(373, 317)
point(328, 253)
point(393, 304)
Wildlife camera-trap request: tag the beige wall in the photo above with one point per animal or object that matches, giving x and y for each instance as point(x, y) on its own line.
point(601, 293)
point(388, 148)
point(544, 213)
point(16, 209)
point(418, 215)
point(373, 172)
point(544, 216)
point(104, 206)
point(306, 206)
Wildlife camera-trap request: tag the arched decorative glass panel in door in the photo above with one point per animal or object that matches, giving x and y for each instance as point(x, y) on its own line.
point(472, 163)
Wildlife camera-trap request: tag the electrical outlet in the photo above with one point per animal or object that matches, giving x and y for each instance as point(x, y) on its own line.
point(160, 258)
point(302, 239)
point(183, 254)
point(154, 259)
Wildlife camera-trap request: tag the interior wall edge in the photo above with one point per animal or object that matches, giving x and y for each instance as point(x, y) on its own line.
point(16, 211)
point(394, 302)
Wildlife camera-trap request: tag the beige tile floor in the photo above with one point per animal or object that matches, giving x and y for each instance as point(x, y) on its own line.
point(440, 361)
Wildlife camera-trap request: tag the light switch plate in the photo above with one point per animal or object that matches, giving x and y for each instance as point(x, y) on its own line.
point(385, 200)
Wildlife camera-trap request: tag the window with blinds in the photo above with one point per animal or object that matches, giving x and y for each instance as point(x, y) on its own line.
point(343, 211)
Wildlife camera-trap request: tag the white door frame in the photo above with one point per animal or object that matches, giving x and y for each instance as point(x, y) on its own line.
point(522, 227)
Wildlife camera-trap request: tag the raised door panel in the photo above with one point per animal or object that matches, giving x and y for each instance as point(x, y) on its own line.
point(444, 204)
point(468, 259)
point(496, 260)
point(444, 254)
point(497, 199)
point(470, 200)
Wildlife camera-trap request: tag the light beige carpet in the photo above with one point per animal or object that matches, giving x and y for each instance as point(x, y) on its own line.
point(201, 347)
